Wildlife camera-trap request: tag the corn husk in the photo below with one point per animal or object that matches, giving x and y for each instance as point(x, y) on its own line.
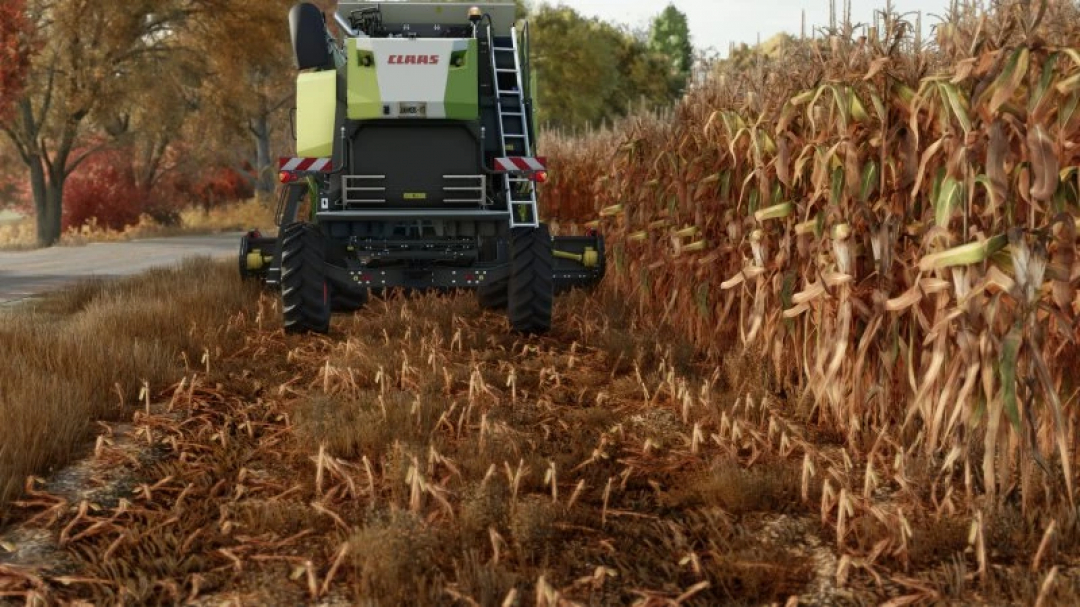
point(968, 254)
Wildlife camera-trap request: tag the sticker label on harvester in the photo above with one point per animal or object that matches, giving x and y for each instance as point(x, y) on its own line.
point(412, 110)
point(415, 196)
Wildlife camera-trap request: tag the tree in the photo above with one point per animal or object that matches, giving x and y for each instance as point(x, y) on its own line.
point(670, 37)
point(15, 36)
point(589, 71)
point(573, 67)
point(148, 123)
point(87, 51)
point(250, 79)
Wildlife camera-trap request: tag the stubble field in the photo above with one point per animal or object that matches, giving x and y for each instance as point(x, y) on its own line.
point(422, 454)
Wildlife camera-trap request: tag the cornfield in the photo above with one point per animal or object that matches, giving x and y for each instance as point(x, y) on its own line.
point(888, 226)
point(889, 222)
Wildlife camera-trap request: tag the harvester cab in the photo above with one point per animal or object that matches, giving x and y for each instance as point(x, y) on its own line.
point(415, 167)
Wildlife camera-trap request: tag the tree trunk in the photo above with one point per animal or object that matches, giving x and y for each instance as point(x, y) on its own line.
point(46, 203)
point(54, 200)
point(48, 193)
point(264, 180)
point(47, 187)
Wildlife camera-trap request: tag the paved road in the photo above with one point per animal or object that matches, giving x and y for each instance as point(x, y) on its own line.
point(27, 273)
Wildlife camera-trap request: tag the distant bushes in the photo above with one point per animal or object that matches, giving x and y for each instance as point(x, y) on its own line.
point(103, 188)
point(107, 191)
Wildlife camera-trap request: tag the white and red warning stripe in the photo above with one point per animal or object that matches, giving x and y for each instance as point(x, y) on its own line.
point(516, 164)
point(305, 164)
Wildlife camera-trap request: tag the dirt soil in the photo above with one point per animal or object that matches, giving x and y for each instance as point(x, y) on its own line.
point(422, 454)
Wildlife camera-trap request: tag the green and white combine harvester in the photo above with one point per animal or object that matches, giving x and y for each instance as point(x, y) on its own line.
point(414, 167)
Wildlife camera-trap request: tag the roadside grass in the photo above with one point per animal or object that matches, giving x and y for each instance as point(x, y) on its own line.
point(18, 234)
point(244, 215)
point(84, 354)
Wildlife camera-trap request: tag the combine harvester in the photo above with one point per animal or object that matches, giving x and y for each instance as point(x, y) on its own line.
point(415, 167)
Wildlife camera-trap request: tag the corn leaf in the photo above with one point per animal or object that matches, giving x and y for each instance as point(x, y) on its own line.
point(1010, 351)
point(1068, 85)
point(843, 105)
point(858, 110)
point(837, 186)
point(879, 107)
point(1073, 54)
point(1067, 110)
point(1043, 85)
point(903, 93)
point(1054, 401)
point(1010, 79)
point(959, 108)
point(804, 97)
point(949, 198)
point(869, 181)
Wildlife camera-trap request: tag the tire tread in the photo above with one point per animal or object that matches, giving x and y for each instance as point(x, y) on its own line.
point(531, 293)
point(304, 291)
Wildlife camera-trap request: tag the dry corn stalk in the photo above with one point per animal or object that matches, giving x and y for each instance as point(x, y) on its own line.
point(919, 315)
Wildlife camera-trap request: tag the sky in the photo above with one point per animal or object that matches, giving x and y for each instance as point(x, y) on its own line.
point(717, 23)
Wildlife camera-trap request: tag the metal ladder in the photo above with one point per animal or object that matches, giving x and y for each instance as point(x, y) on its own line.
point(514, 134)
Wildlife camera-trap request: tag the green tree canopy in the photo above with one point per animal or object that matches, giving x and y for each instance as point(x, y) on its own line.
point(589, 71)
point(670, 37)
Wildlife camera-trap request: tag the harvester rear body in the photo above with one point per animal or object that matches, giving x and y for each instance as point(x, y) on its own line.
point(414, 167)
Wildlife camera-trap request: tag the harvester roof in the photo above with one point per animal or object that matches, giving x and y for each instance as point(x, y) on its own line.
point(441, 13)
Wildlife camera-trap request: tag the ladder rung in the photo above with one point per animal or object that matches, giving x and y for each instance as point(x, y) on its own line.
point(505, 113)
point(504, 48)
point(518, 135)
point(505, 70)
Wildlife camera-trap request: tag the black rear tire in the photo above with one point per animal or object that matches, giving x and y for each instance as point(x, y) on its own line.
point(305, 293)
point(493, 296)
point(532, 285)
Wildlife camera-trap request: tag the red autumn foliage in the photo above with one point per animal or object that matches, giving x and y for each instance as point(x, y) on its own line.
point(214, 187)
point(14, 52)
point(105, 187)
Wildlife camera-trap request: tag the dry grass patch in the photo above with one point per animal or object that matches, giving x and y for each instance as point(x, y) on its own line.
point(86, 352)
point(395, 561)
point(763, 487)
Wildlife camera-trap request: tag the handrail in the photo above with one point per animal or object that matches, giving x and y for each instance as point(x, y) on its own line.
point(344, 25)
point(526, 68)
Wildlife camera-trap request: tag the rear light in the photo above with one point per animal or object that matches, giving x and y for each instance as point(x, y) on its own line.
point(287, 177)
point(540, 177)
